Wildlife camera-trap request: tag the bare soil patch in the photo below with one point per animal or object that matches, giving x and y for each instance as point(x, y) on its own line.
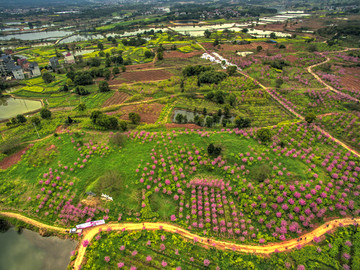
point(51, 147)
point(140, 66)
point(177, 54)
point(117, 98)
point(291, 58)
point(271, 27)
point(61, 129)
point(351, 79)
point(191, 126)
point(141, 76)
point(298, 25)
point(246, 47)
point(149, 113)
point(91, 201)
point(148, 75)
point(230, 49)
point(13, 159)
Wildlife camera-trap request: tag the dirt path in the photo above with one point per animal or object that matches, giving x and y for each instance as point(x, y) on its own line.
point(309, 69)
point(356, 153)
point(267, 89)
point(90, 233)
point(32, 221)
point(326, 114)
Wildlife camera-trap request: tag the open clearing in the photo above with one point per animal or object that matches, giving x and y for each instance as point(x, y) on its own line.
point(149, 113)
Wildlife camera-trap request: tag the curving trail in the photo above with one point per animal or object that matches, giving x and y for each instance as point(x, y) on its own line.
point(307, 238)
point(309, 69)
point(267, 89)
point(90, 233)
point(32, 221)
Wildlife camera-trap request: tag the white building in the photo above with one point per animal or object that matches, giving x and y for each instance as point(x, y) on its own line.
point(34, 69)
point(18, 73)
point(69, 58)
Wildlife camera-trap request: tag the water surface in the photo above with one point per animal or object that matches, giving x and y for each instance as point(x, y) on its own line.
point(11, 107)
point(30, 251)
point(38, 35)
point(191, 116)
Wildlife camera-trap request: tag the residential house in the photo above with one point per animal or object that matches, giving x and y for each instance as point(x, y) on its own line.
point(6, 65)
point(18, 73)
point(31, 69)
point(34, 69)
point(54, 63)
point(69, 58)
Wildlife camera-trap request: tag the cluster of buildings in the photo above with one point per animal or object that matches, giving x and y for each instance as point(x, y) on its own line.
point(221, 13)
point(23, 69)
point(20, 70)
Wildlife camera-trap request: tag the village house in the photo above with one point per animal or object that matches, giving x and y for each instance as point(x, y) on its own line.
point(69, 58)
point(54, 63)
point(18, 73)
point(6, 65)
point(31, 69)
point(34, 69)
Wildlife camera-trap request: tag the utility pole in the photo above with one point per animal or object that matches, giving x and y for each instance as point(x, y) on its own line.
point(36, 130)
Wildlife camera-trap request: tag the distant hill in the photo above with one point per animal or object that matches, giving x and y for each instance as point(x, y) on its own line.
point(40, 3)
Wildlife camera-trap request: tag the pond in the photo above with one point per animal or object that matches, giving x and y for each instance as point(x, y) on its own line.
point(82, 37)
point(10, 107)
point(29, 250)
point(196, 30)
point(38, 35)
point(190, 116)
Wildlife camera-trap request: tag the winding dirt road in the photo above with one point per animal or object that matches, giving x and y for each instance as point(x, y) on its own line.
point(309, 69)
point(32, 221)
point(267, 89)
point(90, 233)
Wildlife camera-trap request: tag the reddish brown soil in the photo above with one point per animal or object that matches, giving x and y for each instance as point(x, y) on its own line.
point(60, 129)
point(141, 76)
point(311, 24)
point(247, 47)
point(140, 66)
point(291, 58)
point(271, 27)
point(177, 54)
point(117, 98)
point(147, 75)
point(13, 159)
point(188, 126)
point(351, 79)
point(231, 49)
point(208, 46)
point(149, 113)
point(51, 147)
